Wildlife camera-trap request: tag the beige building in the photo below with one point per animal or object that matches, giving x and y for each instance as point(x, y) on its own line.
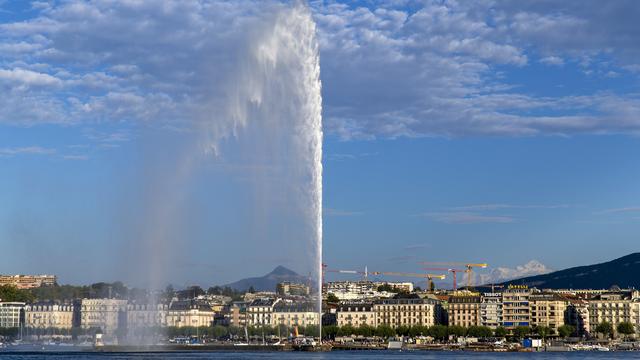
point(356, 314)
point(464, 311)
point(147, 315)
point(296, 314)
point(49, 315)
point(287, 288)
point(260, 312)
point(27, 281)
point(107, 315)
point(405, 312)
point(577, 315)
point(547, 310)
point(614, 308)
point(515, 307)
point(190, 313)
point(11, 314)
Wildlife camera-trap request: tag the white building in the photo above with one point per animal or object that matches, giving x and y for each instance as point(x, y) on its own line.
point(356, 314)
point(190, 313)
point(11, 314)
point(295, 314)
point(49, 315)
point(260, 312)
point(491, 310)
point(104, 314)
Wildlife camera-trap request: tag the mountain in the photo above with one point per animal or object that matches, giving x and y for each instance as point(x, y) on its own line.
point(269, 281)
point(622, 272)
point(502, 274)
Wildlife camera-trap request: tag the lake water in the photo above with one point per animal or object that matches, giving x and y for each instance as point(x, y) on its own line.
point(335, 355)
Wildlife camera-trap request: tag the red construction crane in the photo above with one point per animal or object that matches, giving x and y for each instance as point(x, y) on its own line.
point(453, 271)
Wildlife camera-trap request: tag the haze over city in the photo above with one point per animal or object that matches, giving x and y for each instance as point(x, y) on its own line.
point(487, 131)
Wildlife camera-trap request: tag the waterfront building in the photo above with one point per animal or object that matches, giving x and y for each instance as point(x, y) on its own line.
point(577, 315)
point(405, 312)
point(11, 314)
point(27, 281)
point(234, 314)
point(614, 308)
point(491, 310)
point(108, 315)
point(260, 311)
point(287, 288)
point(356, 314)
point(295, 314)
point(194, 313)
point(49, 315)
point(464, 311)
point(142, 315)
point(515, 307)
point(548, 310)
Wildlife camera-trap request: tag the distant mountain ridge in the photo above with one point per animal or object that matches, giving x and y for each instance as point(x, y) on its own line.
point(269, 281)
point(623, 272)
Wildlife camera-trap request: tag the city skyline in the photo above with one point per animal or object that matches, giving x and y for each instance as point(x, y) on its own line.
point(492, 131)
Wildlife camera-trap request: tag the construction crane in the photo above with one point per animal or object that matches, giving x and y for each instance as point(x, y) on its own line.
point(453, 271)
point(429, 277)
point(325, 269)
point(469, 268)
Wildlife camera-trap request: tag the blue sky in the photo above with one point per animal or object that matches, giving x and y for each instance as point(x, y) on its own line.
point(490, 131)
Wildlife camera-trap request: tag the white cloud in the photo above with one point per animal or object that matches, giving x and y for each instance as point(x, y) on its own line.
point(629, 209)
point(467, 218)
point(502, 274)
point(29, 150)
point(387, 71)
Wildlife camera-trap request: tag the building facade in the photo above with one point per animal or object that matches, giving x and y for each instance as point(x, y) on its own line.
point(11, 314)
point(405, 312)
point(491, 310)
point(190, 313)
point(615, 308)
point(27, 281)
point(464, 311)
point(108, 315)
point(548, 310)
point(297, 314)
point(515, 307)
point(356, 314)
point(49, 315)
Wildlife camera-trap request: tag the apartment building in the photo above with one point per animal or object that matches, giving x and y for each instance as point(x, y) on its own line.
point(405, 312)
point(108, 315)
point(295, 314)
point(577, 315)
point(356, 314)
point(614, 308)
point(287, 288)
point(260, 311)
point(547, 310)
point(515, 307)
point(491, 310)
point(464, 311)
point(193, 313)
point(49, 315)
point(27, 281)
point(143, 315)
point(11, 314)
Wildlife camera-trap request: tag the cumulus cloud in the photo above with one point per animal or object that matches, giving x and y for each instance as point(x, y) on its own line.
point(389, 70)
point(502, 274)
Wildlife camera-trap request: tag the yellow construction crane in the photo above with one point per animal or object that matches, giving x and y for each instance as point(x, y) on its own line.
point(469, 268)
point(429, 277)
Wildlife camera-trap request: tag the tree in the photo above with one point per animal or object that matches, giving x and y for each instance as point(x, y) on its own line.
point(402, 330)
point(543, 331)
point(251, 290)
point(346, 330)
point(566, 330)
point(479, 331)
point(418, 330)
point(521, 331)
point(332, 298)
point(605, 328)
point(626, 329)
point(9, 293)
point(457, 331)
point(438, 332)
point(365, 330)
point(500, 332)
point(385, 331)
point(330, 331)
